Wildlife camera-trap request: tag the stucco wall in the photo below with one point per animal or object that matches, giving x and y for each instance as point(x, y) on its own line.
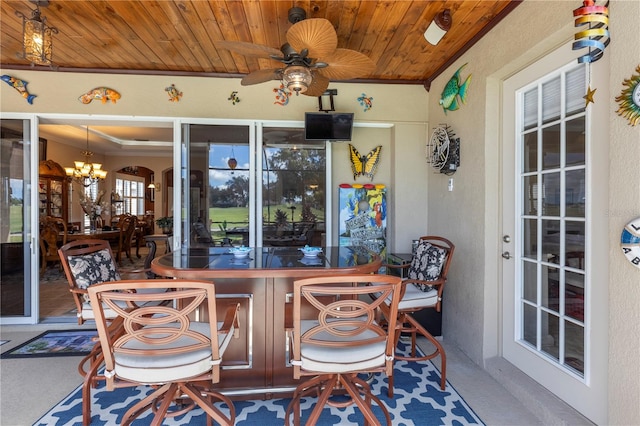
point(624, 205)
point(470, 214)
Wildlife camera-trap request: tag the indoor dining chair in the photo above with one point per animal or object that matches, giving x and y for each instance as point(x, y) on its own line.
point(127, 226)
point(161, 346)
point(422, 289)
point(53, 231)
point(334, 337)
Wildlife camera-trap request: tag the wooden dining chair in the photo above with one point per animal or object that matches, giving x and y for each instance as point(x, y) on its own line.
point(422, 289)
point(127, 226)
point(53, 231)
point(334, 337)
point(159, 345)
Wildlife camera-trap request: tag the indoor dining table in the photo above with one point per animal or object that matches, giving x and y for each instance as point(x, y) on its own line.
point(99, 234)
point(257, 364)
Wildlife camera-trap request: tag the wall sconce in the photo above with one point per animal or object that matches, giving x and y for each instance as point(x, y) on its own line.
point(439, 26)
point(154, 185)
point(37, 42)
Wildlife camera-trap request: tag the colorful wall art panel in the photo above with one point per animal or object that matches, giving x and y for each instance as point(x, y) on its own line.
point(363, 217)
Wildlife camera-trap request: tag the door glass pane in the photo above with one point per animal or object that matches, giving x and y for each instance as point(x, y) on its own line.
point(551, 288)
point(15, 261)
point(574, 353)
point(551, 194)
point(551, 240)
point(293, 188)
point(229, 192)
point(551, 147)
point(217, 185)
point(574, 244)
point(551, 100)
point(575, 90)
point(531, 108)
point(529, 281)
point(576, 192)
point(530, 152)
point(575, 142)
point(574, 295)
point(529, 324)
point(530, 239)
point(550, 334)
point(530, 195)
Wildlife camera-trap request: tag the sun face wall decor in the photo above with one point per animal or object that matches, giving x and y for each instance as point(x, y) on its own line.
point(629, 99)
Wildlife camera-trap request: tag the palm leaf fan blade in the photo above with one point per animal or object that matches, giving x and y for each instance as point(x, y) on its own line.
point(261, 76)
point(345, 64)
point(316, 34)
point(249, 49)
point(318, 85)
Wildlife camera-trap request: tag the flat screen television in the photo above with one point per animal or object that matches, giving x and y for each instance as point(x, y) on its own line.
point(324, 126)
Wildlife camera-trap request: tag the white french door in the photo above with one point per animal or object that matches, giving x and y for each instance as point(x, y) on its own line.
point(554, 290)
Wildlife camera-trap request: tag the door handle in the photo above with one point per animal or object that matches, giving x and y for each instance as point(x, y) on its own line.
point(506, 255)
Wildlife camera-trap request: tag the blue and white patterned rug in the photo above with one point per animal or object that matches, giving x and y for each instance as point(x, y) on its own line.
point(417, 400)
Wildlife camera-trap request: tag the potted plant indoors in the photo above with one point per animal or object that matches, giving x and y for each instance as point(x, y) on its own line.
point(166, 223)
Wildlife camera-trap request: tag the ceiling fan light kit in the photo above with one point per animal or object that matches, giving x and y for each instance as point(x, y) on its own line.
point(310, 56)
point(297, 78)
point(438, 27)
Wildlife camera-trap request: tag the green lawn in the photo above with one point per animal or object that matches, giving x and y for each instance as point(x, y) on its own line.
point(15, 224)
point(239, 216)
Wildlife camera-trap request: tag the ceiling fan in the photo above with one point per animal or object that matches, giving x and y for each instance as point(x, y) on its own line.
point(311, 57)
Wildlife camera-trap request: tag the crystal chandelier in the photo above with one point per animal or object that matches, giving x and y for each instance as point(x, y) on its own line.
point(37, 41)
point(297, 78)
point(85, 172)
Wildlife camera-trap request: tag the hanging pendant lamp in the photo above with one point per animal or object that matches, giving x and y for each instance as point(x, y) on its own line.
point(232, 162)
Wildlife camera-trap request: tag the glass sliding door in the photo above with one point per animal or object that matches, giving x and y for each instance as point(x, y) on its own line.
point(293, 188)
point(15, 228)
point(217, 187)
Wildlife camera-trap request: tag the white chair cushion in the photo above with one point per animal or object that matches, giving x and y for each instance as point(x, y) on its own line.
point(88, 314)
point(340, 359)
point(415, 298)
point(166, 368)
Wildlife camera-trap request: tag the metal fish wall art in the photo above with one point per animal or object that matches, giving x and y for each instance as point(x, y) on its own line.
point(20, 86)
point(103, 94)
point(454, 90)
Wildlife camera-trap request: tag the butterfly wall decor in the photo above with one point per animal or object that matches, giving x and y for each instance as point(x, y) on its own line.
point(364, 165)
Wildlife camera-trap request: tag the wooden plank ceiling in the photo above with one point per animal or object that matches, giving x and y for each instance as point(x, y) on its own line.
point(179, 36)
